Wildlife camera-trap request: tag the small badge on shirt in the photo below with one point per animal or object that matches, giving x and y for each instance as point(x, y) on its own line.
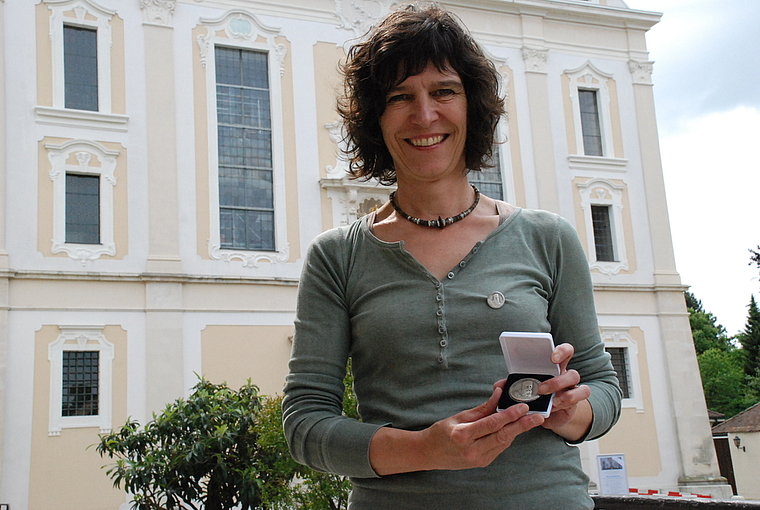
point(496, 300)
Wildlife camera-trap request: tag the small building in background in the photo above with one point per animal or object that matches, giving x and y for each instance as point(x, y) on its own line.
point(741, 435)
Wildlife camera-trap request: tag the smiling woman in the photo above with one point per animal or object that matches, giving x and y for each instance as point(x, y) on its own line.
point(408, 293)
point(424, 125)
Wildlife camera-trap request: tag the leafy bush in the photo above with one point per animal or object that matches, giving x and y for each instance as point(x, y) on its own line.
point(218, 449)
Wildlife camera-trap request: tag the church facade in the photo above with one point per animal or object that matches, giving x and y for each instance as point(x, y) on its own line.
point(166, 163)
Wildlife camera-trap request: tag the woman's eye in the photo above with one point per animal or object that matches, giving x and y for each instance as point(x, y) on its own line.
point(443, 92)
point(398, 97)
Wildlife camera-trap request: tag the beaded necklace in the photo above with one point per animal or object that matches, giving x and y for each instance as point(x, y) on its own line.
point(440, 222)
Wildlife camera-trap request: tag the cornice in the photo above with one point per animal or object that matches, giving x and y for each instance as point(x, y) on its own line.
point(145, 277)
point(639, 287)
point(564, 10)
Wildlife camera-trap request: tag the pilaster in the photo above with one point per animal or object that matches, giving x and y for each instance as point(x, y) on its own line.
point(163, 213)
point(164, 351)
point(540, 127)
point(699, 470)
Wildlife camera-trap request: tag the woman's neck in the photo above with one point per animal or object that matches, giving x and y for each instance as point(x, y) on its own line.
point(431, 200)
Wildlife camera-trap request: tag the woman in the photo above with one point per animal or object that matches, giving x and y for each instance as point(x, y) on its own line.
point(418, 292)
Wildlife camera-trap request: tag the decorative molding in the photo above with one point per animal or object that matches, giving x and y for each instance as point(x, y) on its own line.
point(88, 15)
point(351, 198)
point(590, 77)
point(84, 151)
point(341, 167)
point(158, 12)
point(535, 59)
point(605, 192)
point(641, 70)
point(360, 16)
point(249, 258)
point(620, 337)
point(240, 29)
point(81, 119)
point(80, 338)
point(596, 163)
point(587, 73)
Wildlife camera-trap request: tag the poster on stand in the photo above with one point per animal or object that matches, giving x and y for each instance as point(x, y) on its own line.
point(613, 479)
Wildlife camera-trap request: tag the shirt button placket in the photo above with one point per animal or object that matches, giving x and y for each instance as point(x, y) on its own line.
point(442, 332)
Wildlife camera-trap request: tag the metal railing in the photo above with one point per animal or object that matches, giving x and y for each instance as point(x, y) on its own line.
point(658, 502)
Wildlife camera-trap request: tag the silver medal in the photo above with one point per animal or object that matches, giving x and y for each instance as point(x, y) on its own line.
point(496, 300)
point(525, 390)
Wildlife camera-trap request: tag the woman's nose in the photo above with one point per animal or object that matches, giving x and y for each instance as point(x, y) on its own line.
point(425, 111)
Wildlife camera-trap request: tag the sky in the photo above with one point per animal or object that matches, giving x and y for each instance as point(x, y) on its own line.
point(707, 98)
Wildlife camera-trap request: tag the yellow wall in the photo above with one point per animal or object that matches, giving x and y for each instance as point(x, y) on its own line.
point(234, 354)
point(54, 484)
point(636, 433)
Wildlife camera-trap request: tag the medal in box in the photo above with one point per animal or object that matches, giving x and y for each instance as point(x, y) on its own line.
point(528, 359)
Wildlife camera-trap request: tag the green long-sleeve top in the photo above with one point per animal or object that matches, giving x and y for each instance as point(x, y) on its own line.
point(423, 350)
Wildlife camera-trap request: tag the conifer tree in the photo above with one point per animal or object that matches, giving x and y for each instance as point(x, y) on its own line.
point(750, 341)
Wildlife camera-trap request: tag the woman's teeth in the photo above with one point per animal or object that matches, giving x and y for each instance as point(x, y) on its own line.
point(426, 142)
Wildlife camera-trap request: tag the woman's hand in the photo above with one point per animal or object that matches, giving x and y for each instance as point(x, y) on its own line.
point(472, 438)
point(571, 414)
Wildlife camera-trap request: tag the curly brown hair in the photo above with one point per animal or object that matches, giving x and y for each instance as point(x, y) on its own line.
point(402, 46)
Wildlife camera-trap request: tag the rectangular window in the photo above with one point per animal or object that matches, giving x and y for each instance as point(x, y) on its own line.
point(488, 180)
point(80, 64)
point(592, 133)
point(619, 358)
point(600, 218)
point(82, 209)
point(246, 194)
point(80, 383)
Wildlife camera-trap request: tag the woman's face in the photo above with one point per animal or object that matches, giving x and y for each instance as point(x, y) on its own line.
point(425, 125)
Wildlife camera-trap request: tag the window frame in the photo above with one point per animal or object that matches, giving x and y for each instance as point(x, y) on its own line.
point(84, 11)
point(602, 192)
point(243, 31)
point(620, 337)
point(80, 338)
point(589, 78)
point(85, 153)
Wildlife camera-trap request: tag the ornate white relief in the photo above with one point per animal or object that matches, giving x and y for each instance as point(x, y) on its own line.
point(158, 12)
point(352, 198)
point(84, 151)
point(341, 167)
point(242, 27)
point(80, 338)
point(359, 16)
point(641, 71)
point(605, 192)
point(249, 258)
point(535, 59)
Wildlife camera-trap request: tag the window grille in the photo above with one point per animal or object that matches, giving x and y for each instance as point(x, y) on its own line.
point(246, 194)
point(80, 64)
point(592, 133)
point(82, 209)
point(488, 180)
point(80, 383)
point(600, 217)
point(619, 358)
